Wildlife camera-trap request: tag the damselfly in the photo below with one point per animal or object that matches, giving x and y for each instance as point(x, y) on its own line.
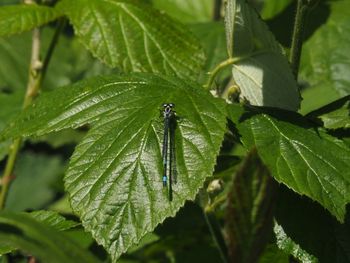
point(169, 161)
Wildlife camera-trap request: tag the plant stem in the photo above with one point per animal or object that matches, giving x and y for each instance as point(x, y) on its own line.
point(60, 26)
point(37, 72)
point(218, 201)
point(298, 34)
point(32, 89)
point(228, 62)
point(217, 69)
point(215, 231)
point(217, 10)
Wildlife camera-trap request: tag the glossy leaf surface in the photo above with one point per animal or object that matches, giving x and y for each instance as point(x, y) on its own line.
point(311, 163)
point(114, 177)
point(134, 37)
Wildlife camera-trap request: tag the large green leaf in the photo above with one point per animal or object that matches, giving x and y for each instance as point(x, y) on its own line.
point(18, 18)
point(261, 71)
point(325, 59)
point(249, 210)
point(313, 230)
point(311, 163)
point(25, 233)
point(133, 36)
point(187, 11)
point(114, 177)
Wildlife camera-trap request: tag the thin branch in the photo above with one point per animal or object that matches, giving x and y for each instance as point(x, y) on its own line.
point(298, 36)
point(60, 26)
point(37, 71)
point(217, 69)
point(227, 62)
point(34, 68)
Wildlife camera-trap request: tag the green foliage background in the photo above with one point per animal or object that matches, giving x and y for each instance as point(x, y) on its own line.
point(262, 152)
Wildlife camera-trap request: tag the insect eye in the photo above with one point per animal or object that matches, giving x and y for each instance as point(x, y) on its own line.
point(165, 105)
point(171, 105)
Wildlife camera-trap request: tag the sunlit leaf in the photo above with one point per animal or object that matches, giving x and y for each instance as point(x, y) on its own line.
point(114, 177)
point(261, 70)
point(133, 36)
point(311, 163)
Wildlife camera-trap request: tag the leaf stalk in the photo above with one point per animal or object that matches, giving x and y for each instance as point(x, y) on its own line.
point(298, 35)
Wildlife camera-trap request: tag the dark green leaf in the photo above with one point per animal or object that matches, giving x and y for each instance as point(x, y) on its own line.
point(146, 240)
point(186, 11)
point(249, 210)
point(19, 18)
point(25, 233)
point(33, 188)
point(305, 225)
point(261, 70)
point(311, 163)
point(80, 236)
point(334, 115)
point(191, 228)
point(326, 56)
point(114, 178)
point(50, 219)
point(135, 37)
point(53, 219)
